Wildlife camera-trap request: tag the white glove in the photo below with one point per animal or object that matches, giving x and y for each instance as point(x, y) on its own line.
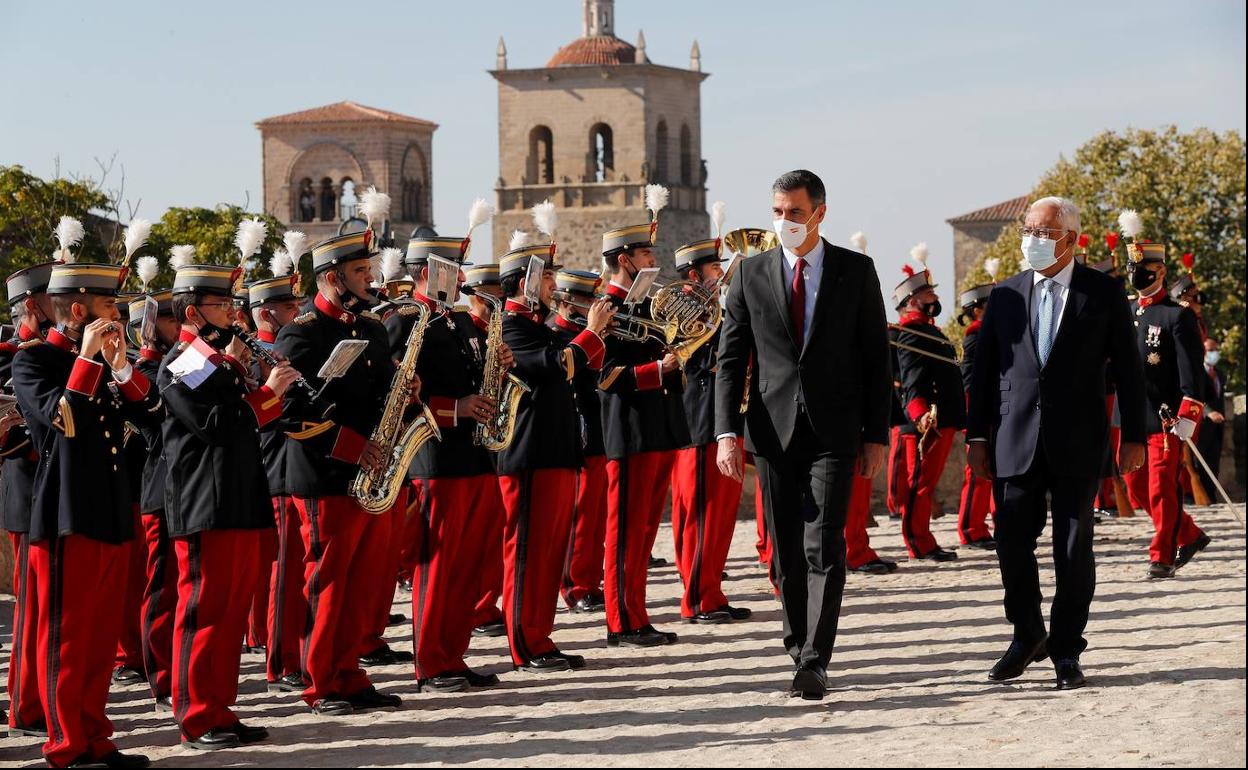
point(1184, 428)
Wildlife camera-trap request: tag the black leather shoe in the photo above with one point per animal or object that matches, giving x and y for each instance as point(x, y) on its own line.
point(1069, 674)
point(575, 662)
point(983, 544)
point(396, 619)
point(476, 679)
point(384, 656)
point(163, 704)
point(939, 554)
point(497, 628)
point(247, 733)
point(712, 618)
point(124, 675)
point(1016, 659)
point(1187, 552)
point(657, 561)
point(405, 585)
point(213, 740)
point(39, 730)
point(443, 683)
point(670, 636)
point(254, 649)
point(589, 603)
point(544, 664)
point(871, 522)
point(876, 567)
point(112, 759)
point(738, 613)
point(638, 638)
point(810, 682)
point(288, 683)
point(1159, 571)
point(332, 707)
point(370, 699)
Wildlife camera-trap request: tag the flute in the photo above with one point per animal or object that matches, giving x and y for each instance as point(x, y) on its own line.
point(266, 355)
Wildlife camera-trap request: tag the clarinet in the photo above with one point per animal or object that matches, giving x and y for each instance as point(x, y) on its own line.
point(266, 355)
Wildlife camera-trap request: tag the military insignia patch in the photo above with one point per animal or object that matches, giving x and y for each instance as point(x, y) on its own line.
point(1154, 336)
point(1153, 358)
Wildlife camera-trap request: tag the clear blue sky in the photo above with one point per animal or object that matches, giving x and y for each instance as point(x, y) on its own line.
point(912, 112)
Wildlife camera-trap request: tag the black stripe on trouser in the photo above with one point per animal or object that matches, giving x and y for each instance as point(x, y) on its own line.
point(17, 658)
point(155, 594)
point(190, 623)
point(57, 553)
point(421, 589)
point(699, 503)
point(1178, 517)
point(621, 543)
point(314, 583)
point(907, 534)
point(518, 567)
point(273, 663)
point(568, 582)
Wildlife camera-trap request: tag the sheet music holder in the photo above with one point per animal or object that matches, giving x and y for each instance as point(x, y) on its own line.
point(443, 281)
point(340, 360)
point(642, 283)
point(533, 282)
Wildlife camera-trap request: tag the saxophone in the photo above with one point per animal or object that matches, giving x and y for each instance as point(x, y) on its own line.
point(498, 384)
point(376, 491)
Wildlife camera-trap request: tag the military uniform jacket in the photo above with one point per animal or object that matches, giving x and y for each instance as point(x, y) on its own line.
point(77, 414)
point(896, 413)
point(155, 470)
point(450, 366)
point(585, 389)
point(970, 338)
point(548, 428)
point(323, 454)
point(272, 438)
point(699, 395)
point(17, 478)
point(1168, 338)
point(926, 381)
point(642, 409)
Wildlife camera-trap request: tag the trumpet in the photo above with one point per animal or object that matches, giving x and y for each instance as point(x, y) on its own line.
point(686, 315)
point(628, 326)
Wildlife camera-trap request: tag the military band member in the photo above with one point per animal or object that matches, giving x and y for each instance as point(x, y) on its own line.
point(643, 424)
point(575, 292)
point(1168, 339)
point(538, 471)
point(934, 403)
point(976, 499)
point(704, 501)
point(897, 479)
point(343, 543)
point(76, 390)
point(31, 309)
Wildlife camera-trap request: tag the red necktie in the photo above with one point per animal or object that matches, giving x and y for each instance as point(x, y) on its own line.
point(797, 303)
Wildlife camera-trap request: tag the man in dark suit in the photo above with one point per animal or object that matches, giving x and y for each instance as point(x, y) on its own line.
point(812, 315)
point(1210, 436)
point(1037, 425)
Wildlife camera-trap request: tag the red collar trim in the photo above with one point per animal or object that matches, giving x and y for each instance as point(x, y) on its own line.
point(266, 336)
point(618, 292)
point(426, 301)
point(974, 327)
point(149, 354)
point(333, 311)
point(522, 310)
point(1156, 299)
point(187, 336)
point(57, 339)
point(480, 322)
point(915, 318)
point(25, 334)
point(566, 324)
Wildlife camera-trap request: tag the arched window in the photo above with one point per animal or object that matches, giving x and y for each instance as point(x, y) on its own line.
point(541, 156)
point(660, 152)
point(601, 152)
point(306, 202)
point(412, 185)
point(329, 200)
point(686, 156)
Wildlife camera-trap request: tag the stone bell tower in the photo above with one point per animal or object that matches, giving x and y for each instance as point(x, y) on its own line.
point(589, 131)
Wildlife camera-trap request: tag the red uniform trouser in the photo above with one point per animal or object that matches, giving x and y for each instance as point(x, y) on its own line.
point(160, 601)
point(258, 619)
point(216, 578)
point(443, 593)
point(539, 507)
point(343, 546)
point(288, 608)
point(1173, 527)
point(916, 510)
point(582, 567)
point(130, 641)
point(636, 489)
point(489, 529)
point(974, 507)
point(858, 550)
point(763, 543)
point(25, 706)
point(1136, 481)
point(897, 483)
point(704, 514)
point(409, 535)
point(382, 598)
point(80, 582)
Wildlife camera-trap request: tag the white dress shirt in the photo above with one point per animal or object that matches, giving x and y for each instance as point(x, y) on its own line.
point(811, 276)
point(1060, 293)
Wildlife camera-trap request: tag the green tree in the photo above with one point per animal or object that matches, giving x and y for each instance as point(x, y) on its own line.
point(30, 209)
point(1188, 187)
point(211, 232)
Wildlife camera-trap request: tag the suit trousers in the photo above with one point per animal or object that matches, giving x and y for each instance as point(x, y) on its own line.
point(806, 495)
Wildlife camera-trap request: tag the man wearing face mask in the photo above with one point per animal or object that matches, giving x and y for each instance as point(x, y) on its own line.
point(976, 499)
point(1037, 427)
point(1168, 340)
point(933, 399)
point(812, 316)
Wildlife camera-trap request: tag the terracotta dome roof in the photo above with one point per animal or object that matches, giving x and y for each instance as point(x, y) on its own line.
point(594, 50)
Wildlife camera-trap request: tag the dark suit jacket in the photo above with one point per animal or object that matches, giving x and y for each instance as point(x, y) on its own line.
point(842, 378)
point(1059, 409)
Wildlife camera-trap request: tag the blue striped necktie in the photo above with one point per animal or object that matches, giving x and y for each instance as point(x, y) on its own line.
point(1044, 323)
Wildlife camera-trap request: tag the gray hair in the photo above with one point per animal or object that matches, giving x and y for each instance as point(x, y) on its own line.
point(1068, 211)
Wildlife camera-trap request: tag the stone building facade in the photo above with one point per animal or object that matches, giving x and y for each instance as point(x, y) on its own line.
point(973, 232)
point(589, 131)
point(313, 157)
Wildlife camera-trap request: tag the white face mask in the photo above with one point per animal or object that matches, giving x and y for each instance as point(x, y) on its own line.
point(793, 234)
point(1039, 253)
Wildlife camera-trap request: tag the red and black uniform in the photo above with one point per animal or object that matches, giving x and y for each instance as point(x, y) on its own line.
point(81, 519)
point(704, 501)
point(486, 610)
point(583, 561)
point(343, 544)
point(130, 642)
point(643, 424)
point(460, 501)
point(537, 474)
point(1168, 338)
point(897, 480)
point(976, 499)
point(216, 507)
point(17, 481)
point(926, 382)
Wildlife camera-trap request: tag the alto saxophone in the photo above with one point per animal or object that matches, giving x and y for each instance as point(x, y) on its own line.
point(497, 384)
point(376, 490)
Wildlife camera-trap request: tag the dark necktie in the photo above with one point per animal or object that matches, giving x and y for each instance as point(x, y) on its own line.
point(797, 303)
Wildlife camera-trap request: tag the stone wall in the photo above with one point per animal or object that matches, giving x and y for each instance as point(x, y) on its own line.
point(970, 239)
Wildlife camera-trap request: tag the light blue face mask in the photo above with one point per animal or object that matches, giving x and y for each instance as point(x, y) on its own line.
point(1212, 358)
point(1039, 253)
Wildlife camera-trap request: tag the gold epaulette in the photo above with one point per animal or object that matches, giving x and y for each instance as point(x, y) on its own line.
point(462, 309)
point(409, 310)
point(370, 315)
point(305, 318)
point(29, 343)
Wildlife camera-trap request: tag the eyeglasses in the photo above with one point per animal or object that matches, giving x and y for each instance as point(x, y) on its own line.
point(218, 305)
point(1042, 232)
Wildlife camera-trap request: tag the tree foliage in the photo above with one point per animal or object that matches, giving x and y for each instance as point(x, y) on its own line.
point(211, 232)
point(30, 209)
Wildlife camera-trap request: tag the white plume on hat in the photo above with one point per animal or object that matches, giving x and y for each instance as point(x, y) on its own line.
point(480, 213)
point(719, 215)
point(296, 243)
point(919, 254)
point(136, 235)
point(657, 197)
point(69, 232)
point(391, 264)
point(859, 241)
point(249, 236)
point(992, 266)
point(1130, 223)
point(180, 256)
point(374, 205)
point(519, 239)
point(280, 263)
point(146, 267)
point(546, 218)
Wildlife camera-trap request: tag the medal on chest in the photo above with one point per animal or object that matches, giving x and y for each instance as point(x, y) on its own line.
point(1153, 339)
point(1153, 358)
